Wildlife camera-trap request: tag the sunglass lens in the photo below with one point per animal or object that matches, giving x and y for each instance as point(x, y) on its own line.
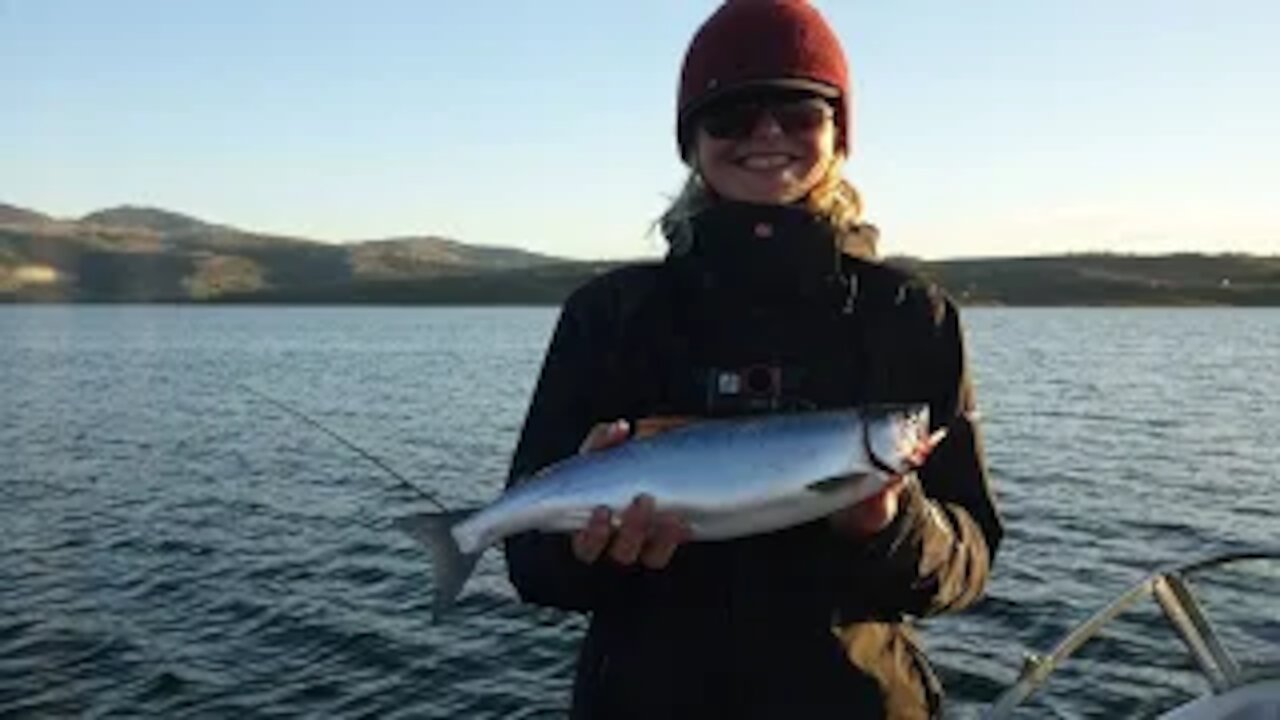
point(738, 121)
point(801, 117)
point(731, 122)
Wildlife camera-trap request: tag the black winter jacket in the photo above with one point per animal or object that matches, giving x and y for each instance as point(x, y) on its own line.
point(801, 623)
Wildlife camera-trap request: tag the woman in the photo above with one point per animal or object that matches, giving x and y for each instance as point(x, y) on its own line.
point(769, 301)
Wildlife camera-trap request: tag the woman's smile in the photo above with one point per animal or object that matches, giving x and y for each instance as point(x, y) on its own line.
point(765, 161)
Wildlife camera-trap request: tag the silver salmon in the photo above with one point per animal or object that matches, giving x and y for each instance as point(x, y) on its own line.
point(725, 478)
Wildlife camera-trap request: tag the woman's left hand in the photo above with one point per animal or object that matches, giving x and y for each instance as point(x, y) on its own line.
point(873, 514)
point(870, 516)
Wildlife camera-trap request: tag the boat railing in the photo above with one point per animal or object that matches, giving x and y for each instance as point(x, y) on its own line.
point(1180, 607)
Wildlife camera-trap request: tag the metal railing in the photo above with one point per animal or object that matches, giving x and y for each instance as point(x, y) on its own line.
point(1184, 612)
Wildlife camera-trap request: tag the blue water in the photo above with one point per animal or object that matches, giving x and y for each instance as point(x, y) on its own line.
point(174, 547)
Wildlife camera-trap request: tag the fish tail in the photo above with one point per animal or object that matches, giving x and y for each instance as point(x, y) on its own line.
point(450, 566)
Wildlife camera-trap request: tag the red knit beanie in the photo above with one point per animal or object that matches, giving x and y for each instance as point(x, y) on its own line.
point(757, 44)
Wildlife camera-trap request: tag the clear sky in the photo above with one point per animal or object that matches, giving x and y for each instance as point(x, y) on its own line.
point(982, 128)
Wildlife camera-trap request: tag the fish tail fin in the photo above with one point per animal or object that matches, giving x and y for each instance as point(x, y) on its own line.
point(450, 566)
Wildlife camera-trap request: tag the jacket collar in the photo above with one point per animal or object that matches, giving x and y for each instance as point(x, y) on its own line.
point(764, 252)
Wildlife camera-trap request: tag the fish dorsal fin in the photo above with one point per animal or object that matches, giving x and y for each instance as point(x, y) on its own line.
point(833, 484)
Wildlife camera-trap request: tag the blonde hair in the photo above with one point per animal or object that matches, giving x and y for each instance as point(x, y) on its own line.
point(833, 199)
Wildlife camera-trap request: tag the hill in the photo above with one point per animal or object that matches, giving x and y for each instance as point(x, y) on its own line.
point(12, 214)
point(140, 254)
point(133, 217)
point(1104, 279)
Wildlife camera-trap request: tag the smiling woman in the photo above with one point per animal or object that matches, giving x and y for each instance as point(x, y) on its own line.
point(770, 301)
point(774, 146)
point(766, 121)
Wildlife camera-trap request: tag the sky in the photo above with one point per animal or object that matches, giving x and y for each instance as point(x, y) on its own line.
point(989, 128)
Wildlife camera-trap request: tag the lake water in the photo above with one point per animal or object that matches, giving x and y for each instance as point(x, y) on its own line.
point(174, 547)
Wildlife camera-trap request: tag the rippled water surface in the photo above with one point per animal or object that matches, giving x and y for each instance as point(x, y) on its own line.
point(174, 547)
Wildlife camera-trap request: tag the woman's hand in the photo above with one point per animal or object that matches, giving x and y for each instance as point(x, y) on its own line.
point(641, 533)
point(874, 514)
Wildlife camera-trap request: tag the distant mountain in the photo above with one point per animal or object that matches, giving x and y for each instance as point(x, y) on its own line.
point(147, 218)
point(140, 254)
point(1073, 280)
point(143, 254)
point(1105, 279)
point(408, 258)
point(14, 215)
point(543, 285)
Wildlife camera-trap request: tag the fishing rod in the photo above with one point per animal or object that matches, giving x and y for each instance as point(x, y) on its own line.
point(361, 451)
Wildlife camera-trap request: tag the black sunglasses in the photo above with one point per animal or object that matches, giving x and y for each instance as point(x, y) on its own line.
point(737, 120)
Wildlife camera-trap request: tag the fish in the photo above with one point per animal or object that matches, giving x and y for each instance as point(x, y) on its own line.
point(726, 478)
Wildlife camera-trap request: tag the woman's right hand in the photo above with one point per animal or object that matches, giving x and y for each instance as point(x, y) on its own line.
point(640, 533)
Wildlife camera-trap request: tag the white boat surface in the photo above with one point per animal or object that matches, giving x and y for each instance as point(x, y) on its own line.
point(1235, 693)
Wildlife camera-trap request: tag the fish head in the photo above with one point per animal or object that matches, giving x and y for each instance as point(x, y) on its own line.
point(895, 436)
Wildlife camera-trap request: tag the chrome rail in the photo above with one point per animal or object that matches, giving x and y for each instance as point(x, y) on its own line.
point(1184, 612)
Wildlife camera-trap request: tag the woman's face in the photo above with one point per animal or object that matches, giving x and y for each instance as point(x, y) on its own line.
point(768, 150)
